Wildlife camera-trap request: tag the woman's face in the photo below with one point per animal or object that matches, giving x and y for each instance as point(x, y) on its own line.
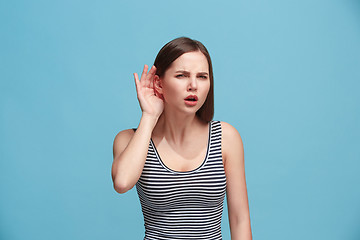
point(186, 83)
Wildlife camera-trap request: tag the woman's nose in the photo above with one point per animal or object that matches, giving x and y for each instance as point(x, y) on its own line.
point(193, 84)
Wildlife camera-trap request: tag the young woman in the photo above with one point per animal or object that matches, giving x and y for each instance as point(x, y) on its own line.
point(181, 161)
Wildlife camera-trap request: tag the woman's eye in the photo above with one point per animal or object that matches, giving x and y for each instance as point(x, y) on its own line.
point(180, 75)
point(204, 77)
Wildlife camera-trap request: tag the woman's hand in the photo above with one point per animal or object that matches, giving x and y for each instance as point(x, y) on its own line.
point(131, 148)
point(151, 102)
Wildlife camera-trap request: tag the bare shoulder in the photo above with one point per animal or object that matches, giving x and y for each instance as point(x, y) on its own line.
point(231, 140)
point(121, 141)
point(229, 132)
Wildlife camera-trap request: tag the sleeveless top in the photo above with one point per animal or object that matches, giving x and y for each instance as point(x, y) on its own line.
point(184, 205)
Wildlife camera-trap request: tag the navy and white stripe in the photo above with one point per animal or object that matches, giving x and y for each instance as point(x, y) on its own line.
point(184, 205)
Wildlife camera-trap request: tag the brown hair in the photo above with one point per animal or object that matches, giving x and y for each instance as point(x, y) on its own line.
point(174, 49)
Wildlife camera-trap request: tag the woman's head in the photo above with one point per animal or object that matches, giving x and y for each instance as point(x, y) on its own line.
point(172, 51)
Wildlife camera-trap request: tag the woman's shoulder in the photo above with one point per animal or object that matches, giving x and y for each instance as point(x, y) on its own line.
point(228, 130)
point(121, 140)
point(231, 140)
point(230, 135)
point(126, 133)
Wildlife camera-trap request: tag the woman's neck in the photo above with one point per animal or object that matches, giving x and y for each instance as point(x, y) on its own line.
point(176, 128)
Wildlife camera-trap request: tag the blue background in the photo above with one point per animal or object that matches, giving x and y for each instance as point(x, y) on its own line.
point(286, 76)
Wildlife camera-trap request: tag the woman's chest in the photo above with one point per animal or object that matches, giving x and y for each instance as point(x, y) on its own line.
point(161, 188)
point(163, 192)
point(182, 159)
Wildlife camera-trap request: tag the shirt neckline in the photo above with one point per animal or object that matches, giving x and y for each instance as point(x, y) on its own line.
point(190, 171)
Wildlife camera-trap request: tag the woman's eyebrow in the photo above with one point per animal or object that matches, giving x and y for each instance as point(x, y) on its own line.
point(203, 73)
point(182, 71)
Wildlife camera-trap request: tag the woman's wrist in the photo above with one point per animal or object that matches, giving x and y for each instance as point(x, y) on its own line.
point(148, 120)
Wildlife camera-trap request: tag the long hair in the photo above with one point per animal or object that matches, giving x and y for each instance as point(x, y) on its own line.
point(174, 49)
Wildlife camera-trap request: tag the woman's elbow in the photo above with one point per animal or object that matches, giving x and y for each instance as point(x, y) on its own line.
point(120, 189)
point(122, 181)
point(121, 186)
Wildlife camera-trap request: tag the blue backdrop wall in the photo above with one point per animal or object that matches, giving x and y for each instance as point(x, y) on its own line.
point(286, 76)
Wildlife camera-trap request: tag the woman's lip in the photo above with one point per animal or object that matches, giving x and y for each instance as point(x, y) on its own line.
point(192, 97)
point(190, 103)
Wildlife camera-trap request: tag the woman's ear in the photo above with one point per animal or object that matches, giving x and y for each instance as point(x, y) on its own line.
point(158, 87)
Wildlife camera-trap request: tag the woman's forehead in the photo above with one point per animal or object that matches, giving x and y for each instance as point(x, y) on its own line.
point(191, 62)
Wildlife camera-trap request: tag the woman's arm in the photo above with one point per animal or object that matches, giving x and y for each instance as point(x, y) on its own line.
point(130, 149)
point(236, 193)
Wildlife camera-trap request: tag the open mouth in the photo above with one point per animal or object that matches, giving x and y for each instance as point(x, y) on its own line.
point(191, 98)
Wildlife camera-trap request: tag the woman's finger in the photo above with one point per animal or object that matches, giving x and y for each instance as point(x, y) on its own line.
point(143, 79)
point(152, 71)
point(150, 77)
point(137, 82)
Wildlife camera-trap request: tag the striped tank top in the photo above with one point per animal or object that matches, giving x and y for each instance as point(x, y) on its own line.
point(184, 205)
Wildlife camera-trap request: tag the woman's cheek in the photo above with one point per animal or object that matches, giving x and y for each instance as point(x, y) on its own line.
point(206, 92)
point(167, 95)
